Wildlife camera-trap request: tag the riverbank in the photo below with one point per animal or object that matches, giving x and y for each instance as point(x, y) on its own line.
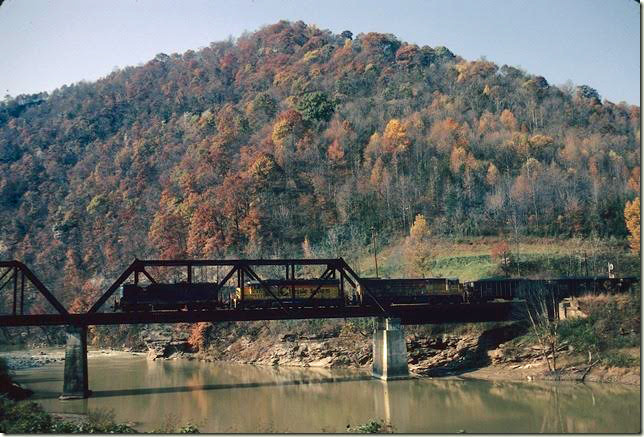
point(497, 352)
point(41, 356)
point(602, 345)
point(489, 355)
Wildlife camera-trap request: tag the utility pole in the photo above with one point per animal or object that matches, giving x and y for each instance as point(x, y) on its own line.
point(373, 241)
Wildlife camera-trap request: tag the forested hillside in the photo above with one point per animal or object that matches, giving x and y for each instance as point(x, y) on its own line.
point(294, 139)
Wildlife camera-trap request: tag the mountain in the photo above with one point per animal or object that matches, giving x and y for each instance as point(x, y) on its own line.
point(293, 139)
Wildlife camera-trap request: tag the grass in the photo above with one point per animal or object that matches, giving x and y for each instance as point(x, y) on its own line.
point(469, 259)
point(612, 327)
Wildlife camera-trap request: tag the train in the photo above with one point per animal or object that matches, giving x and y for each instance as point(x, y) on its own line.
point(330, 293)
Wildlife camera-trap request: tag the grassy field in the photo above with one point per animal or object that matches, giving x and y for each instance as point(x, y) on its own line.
point(537, 257)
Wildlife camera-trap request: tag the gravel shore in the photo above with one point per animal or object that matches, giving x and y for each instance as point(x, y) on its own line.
point(38, 357)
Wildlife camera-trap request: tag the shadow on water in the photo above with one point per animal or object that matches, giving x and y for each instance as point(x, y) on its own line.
point(207, 387)
point(38, 380)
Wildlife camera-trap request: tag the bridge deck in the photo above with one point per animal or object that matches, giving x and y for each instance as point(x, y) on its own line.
point(409, 314)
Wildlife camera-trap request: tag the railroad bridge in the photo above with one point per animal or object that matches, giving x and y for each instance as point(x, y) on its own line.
point(357, 297)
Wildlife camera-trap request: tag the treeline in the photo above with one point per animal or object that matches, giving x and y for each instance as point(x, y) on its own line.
point(294, 140)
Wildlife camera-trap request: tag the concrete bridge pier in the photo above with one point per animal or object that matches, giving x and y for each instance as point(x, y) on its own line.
point(75, 385)
point(389, 350)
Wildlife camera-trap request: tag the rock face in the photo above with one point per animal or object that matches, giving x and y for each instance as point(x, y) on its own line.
point(165, 343)
point(428, 355)
point(341, 351)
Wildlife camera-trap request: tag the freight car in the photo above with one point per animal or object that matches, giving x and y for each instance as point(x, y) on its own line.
point(485, 290)
point(180, 296)
point(410, 291)
point(290, 292)
point(565, 287)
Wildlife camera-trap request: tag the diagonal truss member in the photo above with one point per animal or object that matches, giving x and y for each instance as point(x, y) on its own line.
point(15, 273)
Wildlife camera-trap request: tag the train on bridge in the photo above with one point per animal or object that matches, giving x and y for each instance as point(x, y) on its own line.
point(331, 293)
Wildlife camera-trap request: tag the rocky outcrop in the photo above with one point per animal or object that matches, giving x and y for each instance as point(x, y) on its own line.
point(165, 343)
point(301, 351)
point(432, 355)
point(428, 355)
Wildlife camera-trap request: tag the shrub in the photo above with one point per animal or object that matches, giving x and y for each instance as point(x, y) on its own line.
point(23, 418)
point(372, 427)
point(189, 429)
point(30, 418)
point(618, 359)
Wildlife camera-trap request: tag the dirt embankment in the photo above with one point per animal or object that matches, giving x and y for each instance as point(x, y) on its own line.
point(490, 354)
point(473, 355)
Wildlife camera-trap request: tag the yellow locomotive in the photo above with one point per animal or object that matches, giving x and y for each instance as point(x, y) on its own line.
point(290, 292)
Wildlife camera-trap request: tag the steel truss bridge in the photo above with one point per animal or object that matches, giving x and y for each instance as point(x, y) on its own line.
point(389, 347)
point(238, 272)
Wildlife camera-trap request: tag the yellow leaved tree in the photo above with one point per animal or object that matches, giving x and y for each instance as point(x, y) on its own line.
point(418, 253)
point(632, 216)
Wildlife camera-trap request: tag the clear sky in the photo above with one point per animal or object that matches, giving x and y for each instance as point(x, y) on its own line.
point(45, 43)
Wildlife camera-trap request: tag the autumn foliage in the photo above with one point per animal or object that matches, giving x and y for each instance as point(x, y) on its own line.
point(418, 250)
point(632, 215)
point(249, 147)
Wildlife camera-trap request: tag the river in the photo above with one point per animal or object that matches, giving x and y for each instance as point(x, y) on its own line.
point(244, 398)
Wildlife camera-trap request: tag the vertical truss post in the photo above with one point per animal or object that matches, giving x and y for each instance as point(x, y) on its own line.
point(292, 278)
point(239, 284)
point(15, 289)
point(189, 273)
point(241, 280)
point(22, 292)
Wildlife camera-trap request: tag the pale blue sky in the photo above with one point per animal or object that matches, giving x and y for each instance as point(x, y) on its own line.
point(45, 44)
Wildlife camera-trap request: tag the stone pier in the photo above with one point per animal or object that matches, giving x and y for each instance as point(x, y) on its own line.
point(389, 350)
point(75, 385)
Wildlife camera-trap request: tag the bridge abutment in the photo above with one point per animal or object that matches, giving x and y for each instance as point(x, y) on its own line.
point(75, 384)
point(389, 350)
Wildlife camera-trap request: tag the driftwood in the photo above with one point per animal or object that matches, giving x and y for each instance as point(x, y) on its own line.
point(590, 366)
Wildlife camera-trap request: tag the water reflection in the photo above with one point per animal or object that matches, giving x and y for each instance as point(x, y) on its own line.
point(229, 398)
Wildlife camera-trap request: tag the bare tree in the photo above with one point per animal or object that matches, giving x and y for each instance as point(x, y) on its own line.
point(541, 309)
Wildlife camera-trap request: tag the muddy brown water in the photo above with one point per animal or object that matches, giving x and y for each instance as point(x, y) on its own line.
point(244, 398)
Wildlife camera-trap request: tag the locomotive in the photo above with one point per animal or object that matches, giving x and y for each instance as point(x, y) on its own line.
point(180, 296)
point(410, 291)
point(290, 292)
